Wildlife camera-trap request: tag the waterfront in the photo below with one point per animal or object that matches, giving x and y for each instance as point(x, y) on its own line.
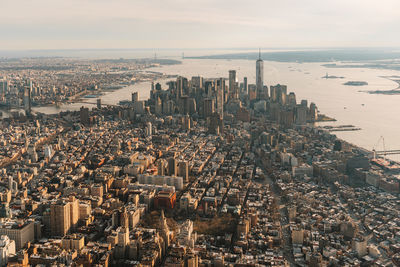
point(375, 114)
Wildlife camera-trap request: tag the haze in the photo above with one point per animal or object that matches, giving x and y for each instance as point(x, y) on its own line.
point(77, 24)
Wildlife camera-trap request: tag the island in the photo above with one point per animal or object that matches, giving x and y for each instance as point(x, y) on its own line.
point(355, 83)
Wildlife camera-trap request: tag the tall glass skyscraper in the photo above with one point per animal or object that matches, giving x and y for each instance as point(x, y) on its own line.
point(259, 75)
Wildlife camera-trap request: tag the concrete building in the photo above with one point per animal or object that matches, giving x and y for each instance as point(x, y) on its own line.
point(60, 218)
point(161, 180)
point(260, 77)
point(183, 170)
point(172, 167)
point(7, 249)
point(21, 233)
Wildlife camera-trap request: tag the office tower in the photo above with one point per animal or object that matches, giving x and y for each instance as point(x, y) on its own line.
point(190, 107)
point(161, 167)
point(259, 76)
point(245, 85)
point(60, 221)
point(98, 102)
point(74, 211)
point(3, 87)
point(20, 233)
point(149, 129)
point(220, 84)
point(123, 236)
point(197, 82)
point(135, 97)
point(183, 170)
point(158, 109)
point(84, 116)
point(186, 123)
point(304, 103)
point(209, 87)
point(301, 115)
point(208, 108)
point(27, 97)
point(5, 210)
point(291, 99)
point(216, 124)
point(172, 167)
point(278, 94)
point(252, 91)
point(313, 112)
point(232, 85)
point(181, 87)
point(139, 107)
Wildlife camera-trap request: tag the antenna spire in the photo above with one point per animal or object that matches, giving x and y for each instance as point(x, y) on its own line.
point(259, 53)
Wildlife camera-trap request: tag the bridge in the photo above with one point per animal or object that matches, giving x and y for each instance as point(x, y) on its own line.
point(88, 103)
point(384, 152)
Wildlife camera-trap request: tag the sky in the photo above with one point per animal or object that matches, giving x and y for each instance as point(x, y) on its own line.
point(127, 24)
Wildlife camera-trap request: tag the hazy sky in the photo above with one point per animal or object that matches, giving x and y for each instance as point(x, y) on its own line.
point(70, 24)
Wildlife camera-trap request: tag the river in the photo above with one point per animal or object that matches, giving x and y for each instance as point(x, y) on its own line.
point(377, 115)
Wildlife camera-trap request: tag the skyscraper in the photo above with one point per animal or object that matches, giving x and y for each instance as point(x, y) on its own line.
point(245, 85)
point(27, 97)
point(259, 76)
point(135, 97)
point(220, 84)
point(232, 84)
point(183, 170)
point(60, 220)
point(172, 167)
point(3, 87)
point(84, 116)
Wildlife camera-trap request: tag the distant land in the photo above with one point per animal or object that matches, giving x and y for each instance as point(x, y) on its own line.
point(355, 83)
point(315, 56)
point(395, 91)
point(388, 65)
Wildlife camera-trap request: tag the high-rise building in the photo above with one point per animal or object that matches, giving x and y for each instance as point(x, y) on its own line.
point(291, 99)
point(27, 97)
point(301, 115)
point(84, 116)
point(149, 129)
point(74, 211)
point(172, 167)
point(278, 94)
point(60, 218)
point(220, 89)
point(181, 86)
point(259, 76)
point(186, 122)
point(197, 82)
point(20, 232)
point(208, 108)
point(313, 112)
point(158, 107)
point(245, 85)
point(183, 170)
point(7, 249)
point(135, 97)
point(3, 87)
point(232, 85)
point(161, 167)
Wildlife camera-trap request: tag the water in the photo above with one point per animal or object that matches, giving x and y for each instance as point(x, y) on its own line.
point(377, 115)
